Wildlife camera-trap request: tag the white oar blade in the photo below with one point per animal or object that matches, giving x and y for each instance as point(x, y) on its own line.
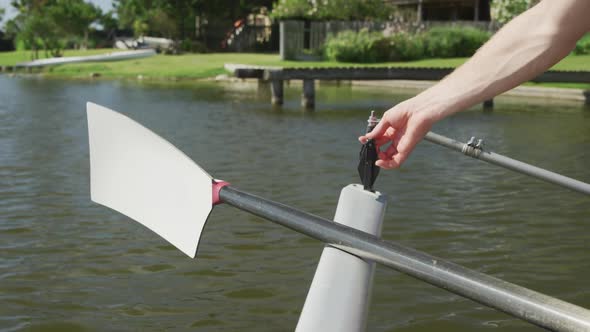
point(141, 175)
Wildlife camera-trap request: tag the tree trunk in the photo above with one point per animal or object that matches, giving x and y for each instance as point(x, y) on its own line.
point(35, 53)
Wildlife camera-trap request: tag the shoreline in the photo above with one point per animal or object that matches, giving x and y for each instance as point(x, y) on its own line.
point(522, 91)
point(566, 94)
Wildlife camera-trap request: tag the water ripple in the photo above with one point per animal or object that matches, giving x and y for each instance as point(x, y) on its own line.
point(69, 264)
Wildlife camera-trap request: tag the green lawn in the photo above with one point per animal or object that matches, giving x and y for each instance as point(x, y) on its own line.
point(196, 66)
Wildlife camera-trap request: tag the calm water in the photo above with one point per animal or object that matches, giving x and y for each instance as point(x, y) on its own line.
point(67, 264)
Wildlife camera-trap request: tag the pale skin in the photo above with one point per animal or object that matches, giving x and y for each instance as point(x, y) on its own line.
point(524, 48)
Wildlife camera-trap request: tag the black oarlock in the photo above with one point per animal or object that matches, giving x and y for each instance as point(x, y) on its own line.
point(367, 169)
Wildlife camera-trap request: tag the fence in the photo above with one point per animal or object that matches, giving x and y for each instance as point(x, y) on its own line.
point(229, 36)
point(253, 39)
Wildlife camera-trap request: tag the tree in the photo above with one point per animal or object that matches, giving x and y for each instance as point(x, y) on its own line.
point(165, 24)
point(109, 23)
point(75, 17)
point(2, 11)
point(25, 25)
point(344, 10)
point(293, 9)
point(131, 14)
point(229, 9)
point(171, 19)
point(49, 24)
point(505, 10)
point(157, 17)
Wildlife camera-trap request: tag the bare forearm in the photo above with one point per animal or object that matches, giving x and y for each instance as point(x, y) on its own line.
point(523, 49)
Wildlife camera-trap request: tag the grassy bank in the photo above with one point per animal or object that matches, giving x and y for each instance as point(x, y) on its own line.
point(199, 66)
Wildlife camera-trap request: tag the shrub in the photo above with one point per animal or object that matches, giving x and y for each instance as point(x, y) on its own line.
point(450, 42)
point(440, 42)
point(583, 45)
point(351, 46)
point(403, 46)
point(192, 46)
point(292, 9)
point(365, 46)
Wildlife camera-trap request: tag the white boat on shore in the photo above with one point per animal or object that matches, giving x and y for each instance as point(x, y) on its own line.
point(112, 56)
point(144, 42)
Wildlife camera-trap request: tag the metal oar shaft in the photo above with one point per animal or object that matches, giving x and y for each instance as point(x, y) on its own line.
point(536, 308)
point(510, 163)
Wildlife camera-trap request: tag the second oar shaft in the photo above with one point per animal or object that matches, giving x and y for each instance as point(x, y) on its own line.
point(509, 163)
point(520, 302)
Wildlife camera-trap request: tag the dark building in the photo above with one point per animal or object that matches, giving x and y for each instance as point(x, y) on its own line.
point(447, 10)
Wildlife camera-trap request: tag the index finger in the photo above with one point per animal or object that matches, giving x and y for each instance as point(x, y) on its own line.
point(379, 130)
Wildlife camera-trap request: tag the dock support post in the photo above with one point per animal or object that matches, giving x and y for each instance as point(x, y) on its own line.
point(488, 104)
point(339, 296)
point(276, 89)
point(308, 96)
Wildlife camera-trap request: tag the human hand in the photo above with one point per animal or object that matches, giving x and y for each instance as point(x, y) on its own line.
point(404, 126)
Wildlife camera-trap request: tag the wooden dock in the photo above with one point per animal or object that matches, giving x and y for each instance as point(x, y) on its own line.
point(277, 76)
